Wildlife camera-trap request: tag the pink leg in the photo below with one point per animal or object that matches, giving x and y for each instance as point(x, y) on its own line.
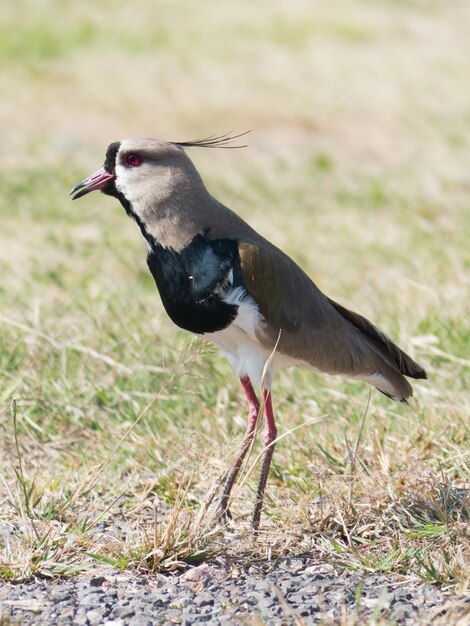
point(269, 436)
point(250, 432)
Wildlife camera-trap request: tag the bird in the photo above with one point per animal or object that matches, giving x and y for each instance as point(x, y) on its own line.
point(219, 279)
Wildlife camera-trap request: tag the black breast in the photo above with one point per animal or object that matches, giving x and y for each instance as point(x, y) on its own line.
point(193, 280)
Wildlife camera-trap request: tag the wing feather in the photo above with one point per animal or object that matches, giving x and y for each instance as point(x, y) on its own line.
point(314, 329)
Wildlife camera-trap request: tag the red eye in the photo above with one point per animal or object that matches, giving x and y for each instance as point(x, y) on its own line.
point(133, 159)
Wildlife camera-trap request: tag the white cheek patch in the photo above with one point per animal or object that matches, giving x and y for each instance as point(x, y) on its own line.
point(123, 183)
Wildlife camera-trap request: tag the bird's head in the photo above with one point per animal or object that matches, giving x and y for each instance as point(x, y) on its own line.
point(141, 172)
point(135, 167)
point(156, 182)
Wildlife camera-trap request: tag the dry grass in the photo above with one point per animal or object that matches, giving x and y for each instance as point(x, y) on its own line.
point(358, 167)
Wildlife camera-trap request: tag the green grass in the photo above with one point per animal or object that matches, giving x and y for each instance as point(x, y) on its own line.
point(357, 167)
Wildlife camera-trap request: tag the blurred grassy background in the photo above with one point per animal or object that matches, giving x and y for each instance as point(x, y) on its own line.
point(358, 166)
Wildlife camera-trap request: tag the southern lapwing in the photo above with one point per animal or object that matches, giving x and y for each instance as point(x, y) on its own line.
point(220, 279)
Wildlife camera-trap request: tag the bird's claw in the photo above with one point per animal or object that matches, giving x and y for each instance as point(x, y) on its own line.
point(223, 513)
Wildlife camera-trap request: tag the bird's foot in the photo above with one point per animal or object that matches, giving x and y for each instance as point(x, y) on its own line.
point(256, 518)
point(222, 513)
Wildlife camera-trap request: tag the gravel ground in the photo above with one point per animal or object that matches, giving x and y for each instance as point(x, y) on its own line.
point(283, 592)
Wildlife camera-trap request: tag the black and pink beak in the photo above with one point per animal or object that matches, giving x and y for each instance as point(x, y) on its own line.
point(98, 180)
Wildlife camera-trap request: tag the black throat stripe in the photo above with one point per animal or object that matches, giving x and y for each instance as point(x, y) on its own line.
point(110, 160)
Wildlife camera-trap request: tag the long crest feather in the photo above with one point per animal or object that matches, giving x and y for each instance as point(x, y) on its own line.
point(214, 141)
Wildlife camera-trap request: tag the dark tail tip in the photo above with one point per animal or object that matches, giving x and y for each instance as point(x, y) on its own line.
point(392, 397)
point(420, 373)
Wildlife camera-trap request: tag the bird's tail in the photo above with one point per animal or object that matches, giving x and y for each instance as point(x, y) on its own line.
point(394, 363)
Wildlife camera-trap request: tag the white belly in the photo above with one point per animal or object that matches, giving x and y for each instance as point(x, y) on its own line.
point(241, 347)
